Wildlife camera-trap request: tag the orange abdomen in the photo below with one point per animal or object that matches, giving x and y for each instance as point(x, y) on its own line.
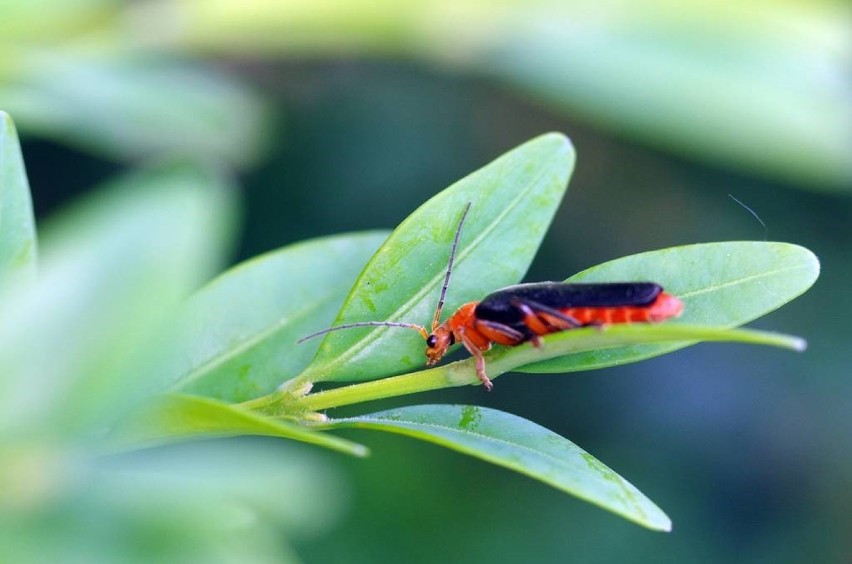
point(665, 306)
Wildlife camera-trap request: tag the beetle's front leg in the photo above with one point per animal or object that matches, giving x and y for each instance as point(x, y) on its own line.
point(476, 352)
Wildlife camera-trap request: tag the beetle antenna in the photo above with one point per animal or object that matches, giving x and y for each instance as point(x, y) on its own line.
point(753, 213)
point(414, 326)
point(437, 318)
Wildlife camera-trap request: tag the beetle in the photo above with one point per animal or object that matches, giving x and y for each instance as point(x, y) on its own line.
point(526, 312)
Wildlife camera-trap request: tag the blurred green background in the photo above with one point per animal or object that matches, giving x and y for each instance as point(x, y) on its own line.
point(346, 117)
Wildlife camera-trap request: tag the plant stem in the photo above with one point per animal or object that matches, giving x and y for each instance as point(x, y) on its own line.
point(295, 400)
point(289, 400)
point(452, 375)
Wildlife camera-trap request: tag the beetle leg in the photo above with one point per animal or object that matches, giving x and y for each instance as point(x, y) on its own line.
point(505, 335)
point(542, 319)
point(480, 360)
point(499, 333)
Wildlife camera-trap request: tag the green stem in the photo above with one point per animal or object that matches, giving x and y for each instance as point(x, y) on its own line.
point(452, 375)
point(294, 399)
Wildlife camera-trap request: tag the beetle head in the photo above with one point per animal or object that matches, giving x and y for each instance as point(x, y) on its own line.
point(437, 343)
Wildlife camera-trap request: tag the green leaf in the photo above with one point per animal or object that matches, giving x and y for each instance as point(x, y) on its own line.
point(513, 201)
point(618, 344)
point(135, 107)
point(522, 446)
point(48, 22)
point(726, 82)
point(17, 224)
point(90, 337)
point(771, 102)
point(210, 501)
point(179, 417)
point(721, 284)
point(242, 328)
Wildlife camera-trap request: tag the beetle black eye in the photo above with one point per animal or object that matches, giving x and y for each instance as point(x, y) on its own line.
point(431, 341)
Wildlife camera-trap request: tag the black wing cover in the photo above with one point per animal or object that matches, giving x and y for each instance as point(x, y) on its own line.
point(501, 306)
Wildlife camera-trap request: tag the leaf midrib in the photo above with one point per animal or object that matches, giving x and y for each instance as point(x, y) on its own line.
point(251, 341)
point(742, 280)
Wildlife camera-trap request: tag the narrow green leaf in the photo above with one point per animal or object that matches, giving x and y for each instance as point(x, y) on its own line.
point(242, 328)
point(180, 417)
point(505, 359)
point(17, 224)
point(721, 285)
point(133, 107)
point(607, 345)
point(522, 446)
point(513, 201)
point(767, 103)
point(90, 336)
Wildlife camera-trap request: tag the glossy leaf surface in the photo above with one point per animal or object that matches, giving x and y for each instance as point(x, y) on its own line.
point(522, 446)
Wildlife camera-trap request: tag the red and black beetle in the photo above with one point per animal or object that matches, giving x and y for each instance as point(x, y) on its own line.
point(526, 312)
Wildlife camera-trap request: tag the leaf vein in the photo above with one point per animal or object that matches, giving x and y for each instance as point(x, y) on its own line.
point(739, 281)
point(251, 341)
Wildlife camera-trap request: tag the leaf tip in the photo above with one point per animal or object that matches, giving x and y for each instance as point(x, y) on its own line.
point(806, 259)
point(813, 263)
point(657, 521)
point(560, 141)
point(7, 126)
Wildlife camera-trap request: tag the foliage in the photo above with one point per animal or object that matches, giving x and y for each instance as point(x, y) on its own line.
point(89, 339)
point(114, 336)
point(759, 87)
